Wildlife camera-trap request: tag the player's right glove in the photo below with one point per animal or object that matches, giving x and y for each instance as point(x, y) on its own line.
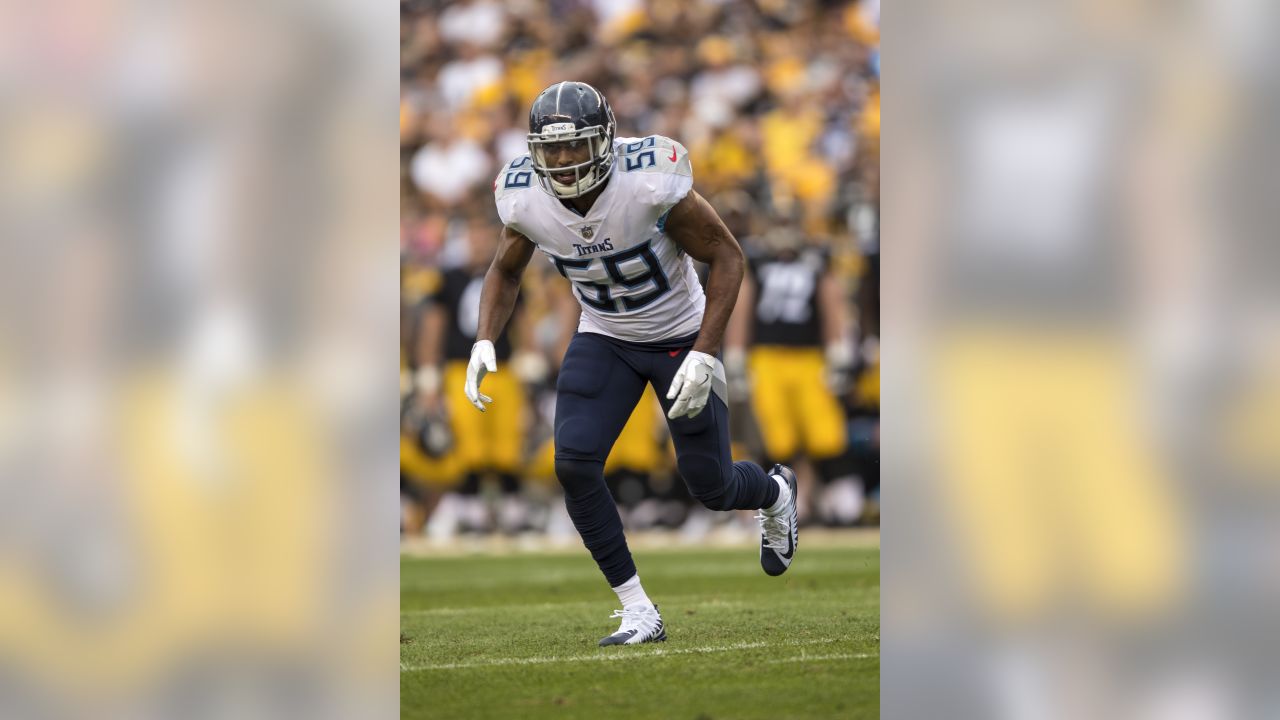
point(483, 360)
point(839, 367)
point(735, 370)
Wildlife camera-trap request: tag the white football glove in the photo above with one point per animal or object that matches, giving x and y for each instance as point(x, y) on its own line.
point(483, 360)
point(692, 384)
point(838, 371)
point(735, 371)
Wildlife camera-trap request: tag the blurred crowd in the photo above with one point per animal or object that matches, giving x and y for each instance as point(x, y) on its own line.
point(777, 102)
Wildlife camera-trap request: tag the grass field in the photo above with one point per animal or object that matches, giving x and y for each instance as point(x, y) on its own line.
point(514, 636)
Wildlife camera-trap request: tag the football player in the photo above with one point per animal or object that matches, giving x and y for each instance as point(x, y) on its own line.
point(487, 444)
point(619, 218)
point(792, 313)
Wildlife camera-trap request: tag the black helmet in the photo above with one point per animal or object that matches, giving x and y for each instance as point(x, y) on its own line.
point(572, 112)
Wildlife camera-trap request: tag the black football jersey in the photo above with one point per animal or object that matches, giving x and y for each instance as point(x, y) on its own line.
point(459, 295)
point(787, 311)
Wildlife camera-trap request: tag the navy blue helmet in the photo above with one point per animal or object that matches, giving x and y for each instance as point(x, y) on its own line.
point(571, 115)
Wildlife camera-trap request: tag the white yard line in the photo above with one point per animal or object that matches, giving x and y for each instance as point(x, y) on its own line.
point(625, 655)
point(667, 599)
point(833, 656)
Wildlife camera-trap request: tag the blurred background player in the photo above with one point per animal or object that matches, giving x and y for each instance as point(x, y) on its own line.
point(425, 435)
point(791, 312)
point(484, 445)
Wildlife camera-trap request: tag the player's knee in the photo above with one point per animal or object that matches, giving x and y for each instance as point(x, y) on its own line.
point(579, 477)
point(577, 436)
point(718, 499)
point(707, 482)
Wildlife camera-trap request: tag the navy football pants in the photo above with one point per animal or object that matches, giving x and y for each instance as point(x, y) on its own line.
point(600, 382)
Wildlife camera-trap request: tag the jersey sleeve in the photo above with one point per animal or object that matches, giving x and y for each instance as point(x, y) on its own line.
point(514, 179)
point(665, 167)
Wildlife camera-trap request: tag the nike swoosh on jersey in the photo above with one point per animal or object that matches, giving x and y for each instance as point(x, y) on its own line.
point(673, 154)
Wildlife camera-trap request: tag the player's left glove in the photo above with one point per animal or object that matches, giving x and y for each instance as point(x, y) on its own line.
point(692, 384)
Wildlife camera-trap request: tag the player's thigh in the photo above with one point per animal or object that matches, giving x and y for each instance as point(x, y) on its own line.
point(595, 394)
point(821, 419)
point(466, 420)
point(771, 404)
point(703, 451)
point(702, 441)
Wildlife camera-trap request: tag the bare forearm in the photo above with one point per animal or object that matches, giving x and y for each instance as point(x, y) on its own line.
point(497, 301)
point(834, 318)
point(738, 334)
point(699, 231)
point(724, 278)
point(430, 336)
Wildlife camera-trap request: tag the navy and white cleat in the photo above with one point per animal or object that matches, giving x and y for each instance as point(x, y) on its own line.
point(780, 533)
point(640, 625)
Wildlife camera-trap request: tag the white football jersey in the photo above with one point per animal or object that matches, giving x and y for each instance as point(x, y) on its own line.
point(633, 282)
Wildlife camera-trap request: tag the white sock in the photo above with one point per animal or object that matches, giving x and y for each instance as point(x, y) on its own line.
point(784, 496)
point(632, 594)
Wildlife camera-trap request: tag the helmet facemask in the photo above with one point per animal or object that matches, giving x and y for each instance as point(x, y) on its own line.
point(587, 175)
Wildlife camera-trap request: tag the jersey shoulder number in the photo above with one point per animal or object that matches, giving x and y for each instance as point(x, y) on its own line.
point(664, 163)
point(515, 175)
point(514, 178)
point(653, 154)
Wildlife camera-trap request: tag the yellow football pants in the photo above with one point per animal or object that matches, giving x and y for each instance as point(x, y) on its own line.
point(1047, 476)
point(492, 440)
point(792, 404)
point(424, 469)
point(637, 447)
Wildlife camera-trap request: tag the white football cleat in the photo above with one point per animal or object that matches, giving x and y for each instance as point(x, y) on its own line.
point(640, 625)
point(780, 532)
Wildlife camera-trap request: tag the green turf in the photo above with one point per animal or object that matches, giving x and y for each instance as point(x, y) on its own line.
point(515, 637)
